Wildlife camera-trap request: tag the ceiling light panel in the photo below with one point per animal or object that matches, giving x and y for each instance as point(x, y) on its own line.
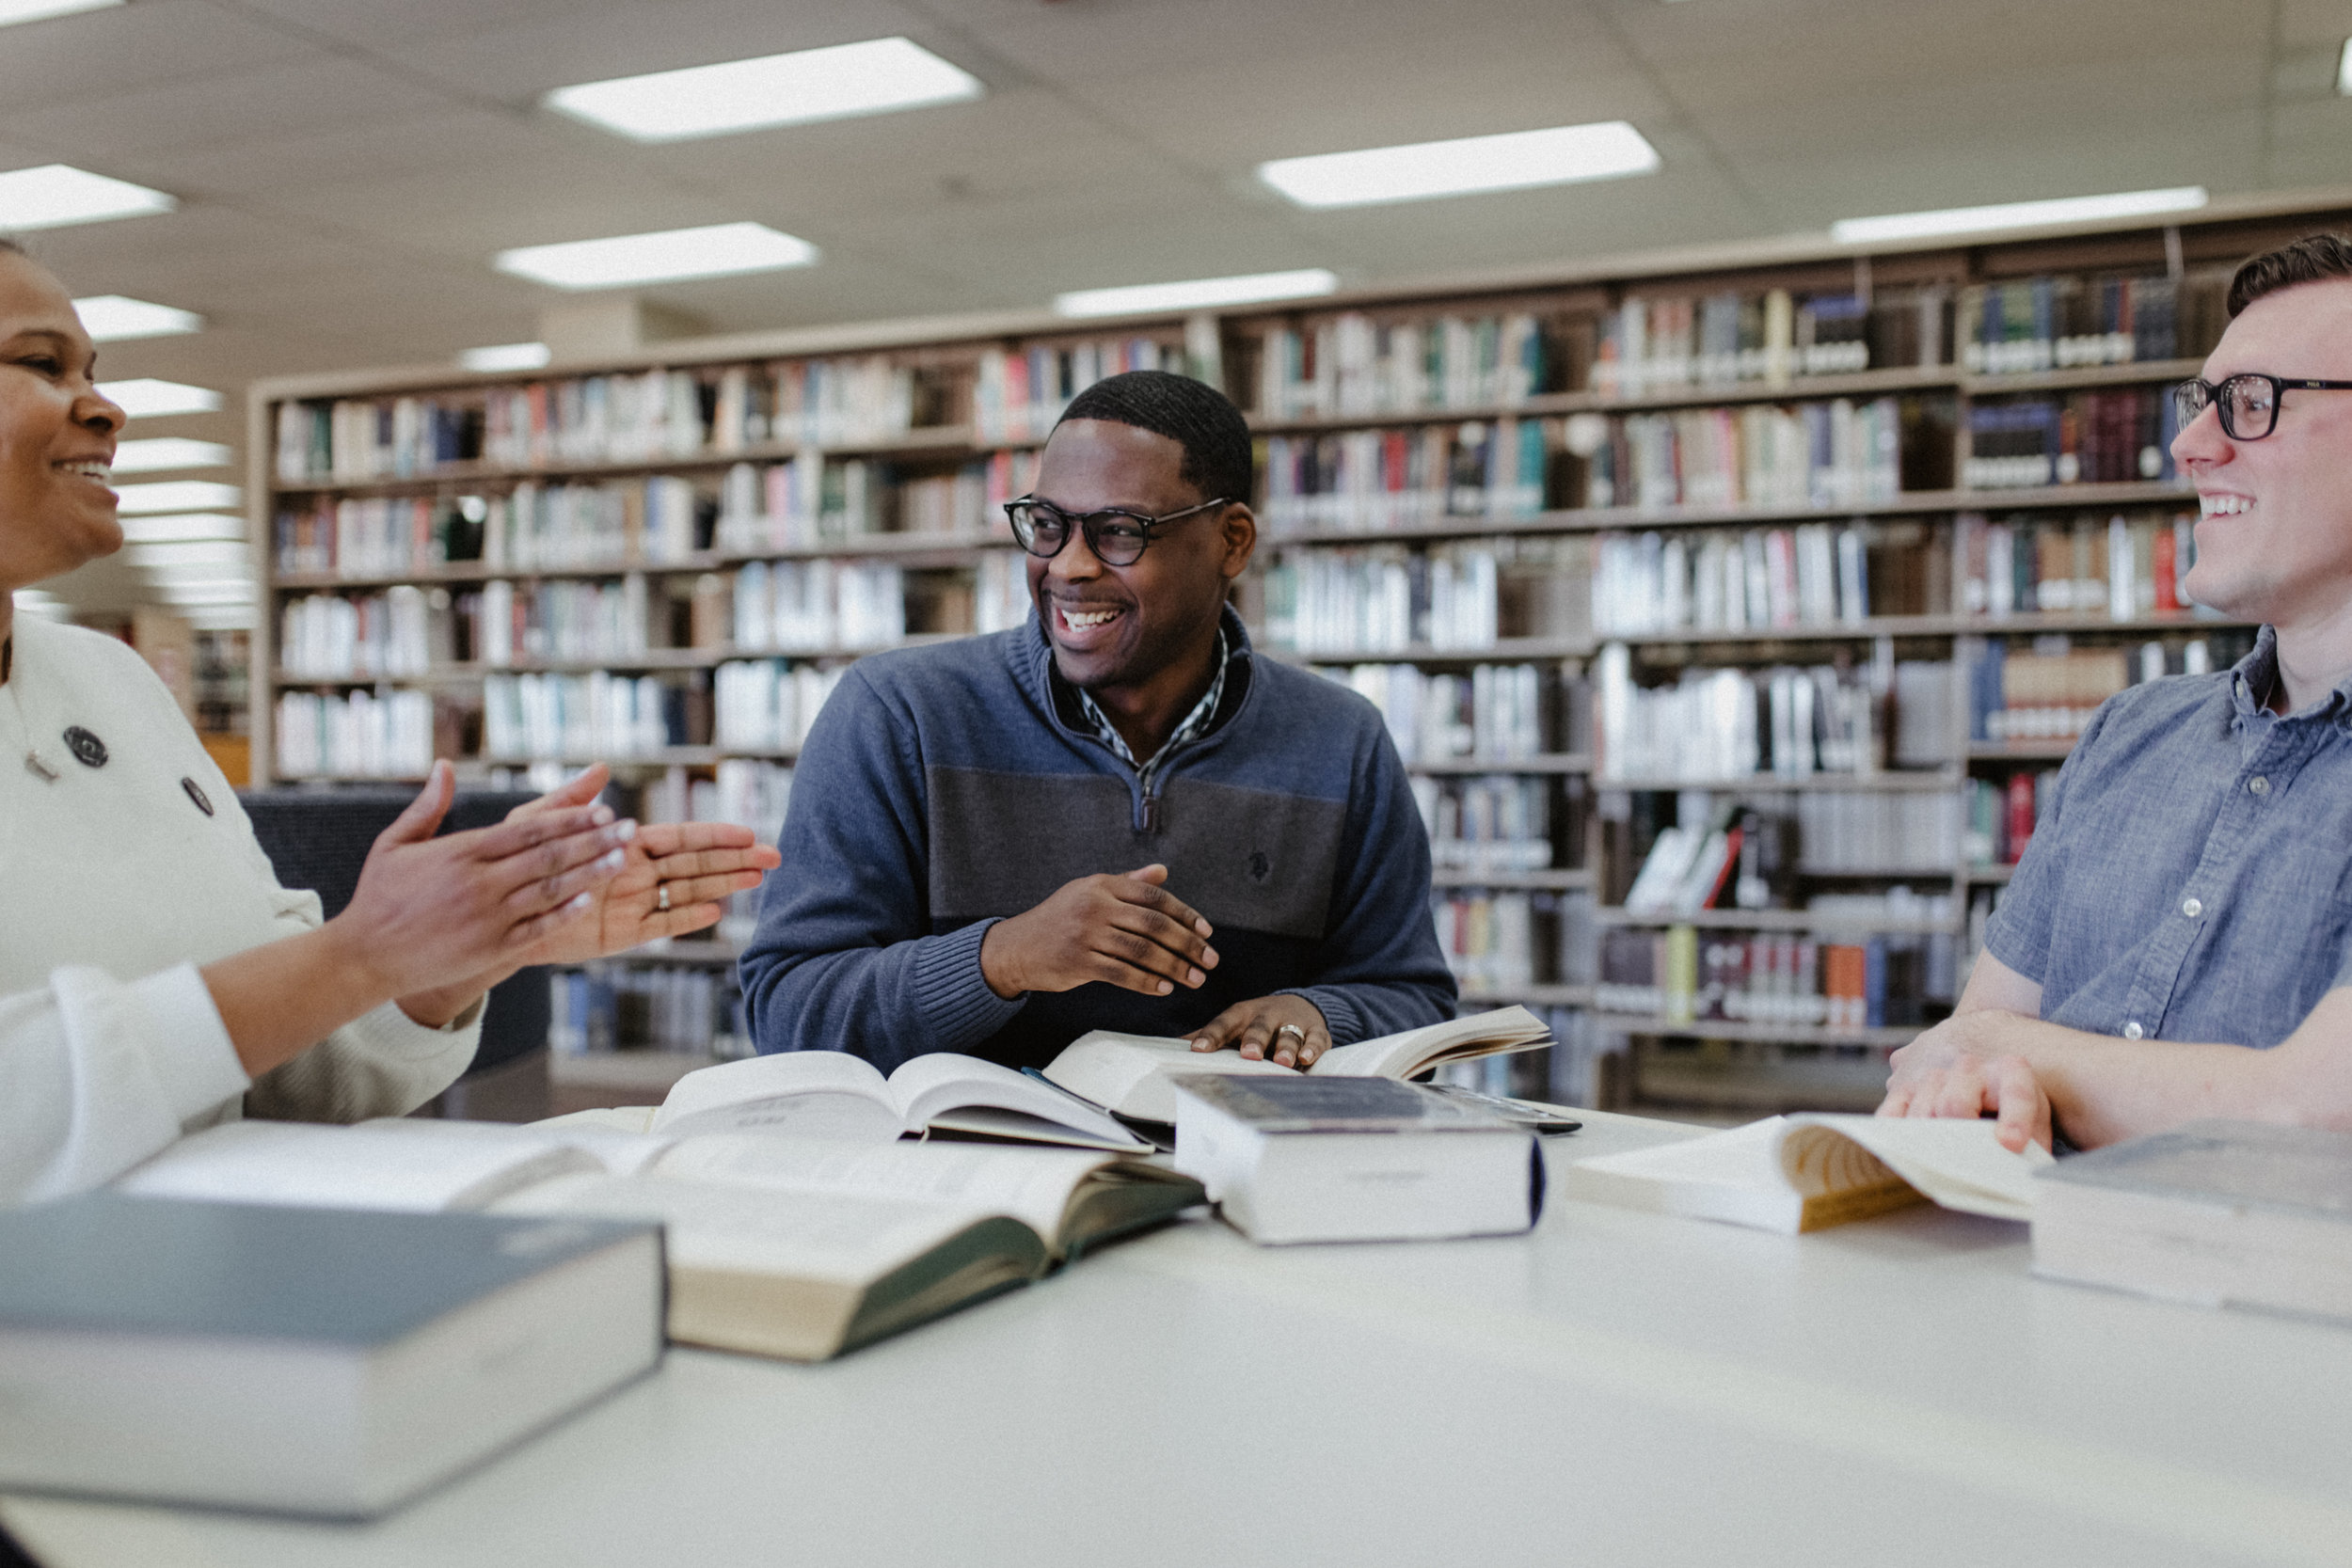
point(54, 195)
point(2016, 214)
point(117, 318)
point(1517, 160)
point(878, 76)
point(177, 495)
point(156, 454)
point(146, 398)
point(504, 356)
point(178, 526)
point(1200, 293)
point(2344, 69)
point(718, 251)
point(14, 12)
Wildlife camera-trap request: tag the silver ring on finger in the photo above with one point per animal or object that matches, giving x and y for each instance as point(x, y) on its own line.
point(661, 897)
point(1292, 1029)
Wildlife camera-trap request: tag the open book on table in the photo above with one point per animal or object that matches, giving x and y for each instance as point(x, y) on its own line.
point(1130, 1073)
point(1807, 1172)
point(792, 1246)
point(835, 1095)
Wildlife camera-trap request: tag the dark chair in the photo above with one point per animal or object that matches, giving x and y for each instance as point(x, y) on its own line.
point(319, 839)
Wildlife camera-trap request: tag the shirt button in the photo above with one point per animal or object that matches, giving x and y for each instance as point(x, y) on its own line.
point(2192, 908)
point(2259, 785)
point(2132, 1031)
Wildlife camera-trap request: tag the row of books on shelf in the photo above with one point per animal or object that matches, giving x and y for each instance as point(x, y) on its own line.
point(1659, 344)
point(679, 1009)
point(1388, 479)
point(750, 792)
point(810, 501)
point(1493, 713)
point(1784, 839)
point(360, 735)
point(596, 715)
point(1684, 978)
point(2062, 321)
point(1019, 393)
point(1727, 580)
point(2003, 814)
point(2130, 566)
point(2048, 688)
point(1729, 725)
point(766, 704)
point(618, 418)
point(2117, 436)
point(1488, 823)
point(1839, 452)
point(1355, 364)
point(1493, 940)
point(1456, 597)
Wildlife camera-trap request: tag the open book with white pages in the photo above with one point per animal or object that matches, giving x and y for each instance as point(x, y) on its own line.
point(778, 1245)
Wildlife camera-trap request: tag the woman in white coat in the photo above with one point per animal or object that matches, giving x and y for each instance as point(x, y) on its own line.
point(153, 975)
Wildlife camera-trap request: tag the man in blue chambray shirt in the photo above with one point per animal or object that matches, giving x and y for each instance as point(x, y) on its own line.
point(2190, 893)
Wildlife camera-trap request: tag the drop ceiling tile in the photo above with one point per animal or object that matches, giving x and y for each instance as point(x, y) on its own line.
point(97, 53)
point(278, 102)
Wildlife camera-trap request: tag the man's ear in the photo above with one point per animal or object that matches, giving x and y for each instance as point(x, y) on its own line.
point(1238, 530)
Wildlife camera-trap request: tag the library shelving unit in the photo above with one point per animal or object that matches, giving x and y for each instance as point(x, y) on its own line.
point(1833, 548)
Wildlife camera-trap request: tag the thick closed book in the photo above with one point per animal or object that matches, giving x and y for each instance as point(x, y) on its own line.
point(1809, 1172)
point(1133, 1074)
point(1303, 1159)
point(2219, 1214)
point(312, 1361)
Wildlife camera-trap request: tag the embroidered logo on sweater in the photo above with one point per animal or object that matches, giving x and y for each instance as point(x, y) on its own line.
point(1261, 867)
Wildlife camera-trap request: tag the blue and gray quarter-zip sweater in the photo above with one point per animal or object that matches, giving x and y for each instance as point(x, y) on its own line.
point(944, 788)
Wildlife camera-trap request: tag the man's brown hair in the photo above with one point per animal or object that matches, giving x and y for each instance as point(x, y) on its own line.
point(2313, 258)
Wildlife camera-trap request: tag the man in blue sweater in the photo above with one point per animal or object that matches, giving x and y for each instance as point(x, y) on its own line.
point(1113, 817)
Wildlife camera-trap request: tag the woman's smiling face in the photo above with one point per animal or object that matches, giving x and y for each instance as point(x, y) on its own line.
point(57, 433)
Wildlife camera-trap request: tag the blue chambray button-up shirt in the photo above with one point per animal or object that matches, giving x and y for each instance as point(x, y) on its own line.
point(2193, 881)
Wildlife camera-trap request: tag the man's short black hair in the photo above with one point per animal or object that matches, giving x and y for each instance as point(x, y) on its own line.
point(2313, 258)
point(1191, 413)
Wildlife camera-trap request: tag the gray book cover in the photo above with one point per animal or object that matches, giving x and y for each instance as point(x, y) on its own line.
point(2301, 1170)
point(154, 1267)
point(1338, 1104)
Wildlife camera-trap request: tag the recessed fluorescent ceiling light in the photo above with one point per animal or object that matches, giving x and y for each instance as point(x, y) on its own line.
point(718, 251)
point(115, 318)
point(55, 195)
point(504, 356)
point(177, 495)
point(13, 11)
point(1516, 160)
point(2016, 214)
point(1199, 294)
point(147, 398)
point(183, 525)
point(156, 454)
point(875, 77)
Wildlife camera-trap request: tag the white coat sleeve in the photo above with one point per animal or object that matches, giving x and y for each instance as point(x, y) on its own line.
point(97, 1074)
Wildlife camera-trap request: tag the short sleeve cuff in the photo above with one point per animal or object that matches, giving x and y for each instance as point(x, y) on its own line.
point(951, 995)
point(190, 1052)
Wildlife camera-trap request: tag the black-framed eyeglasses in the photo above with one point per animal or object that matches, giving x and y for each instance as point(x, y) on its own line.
point(2247, 403)
point(1116, 535)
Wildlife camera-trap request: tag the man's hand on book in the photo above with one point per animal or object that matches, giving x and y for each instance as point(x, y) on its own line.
point(1123, 930)
point(1287, 1029)
point(1966, 1086)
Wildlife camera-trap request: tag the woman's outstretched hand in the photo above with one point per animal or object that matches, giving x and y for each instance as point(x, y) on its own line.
point(699, 864)
point(433, 916)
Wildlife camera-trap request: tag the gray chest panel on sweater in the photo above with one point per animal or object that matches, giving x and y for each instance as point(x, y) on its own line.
point(1255, 858)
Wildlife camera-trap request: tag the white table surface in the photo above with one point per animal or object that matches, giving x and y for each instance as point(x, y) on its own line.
point(1616, 1388)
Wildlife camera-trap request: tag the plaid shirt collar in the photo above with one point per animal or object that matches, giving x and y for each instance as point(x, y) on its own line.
point(1195, 722)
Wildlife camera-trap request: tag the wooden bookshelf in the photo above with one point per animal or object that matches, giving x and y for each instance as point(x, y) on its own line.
point(1547, 534)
